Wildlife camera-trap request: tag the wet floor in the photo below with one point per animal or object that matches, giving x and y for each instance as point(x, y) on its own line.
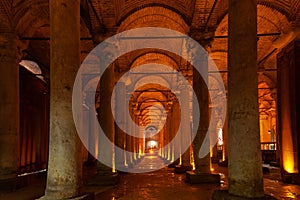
point(158, 185)
point(163, 184)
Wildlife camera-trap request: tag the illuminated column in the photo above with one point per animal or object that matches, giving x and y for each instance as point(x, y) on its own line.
point(120, 119)
point(135, 132)
point(177, 145)
point(225, 139)
point(202, 165)
point(65, 164)
point(245, 163)
point(129, 157)
point(106, 121)
point(92, 132)
point(9, 111)
point(185, 125)
point(167, 135)
point(171, 133)
point(202, 173)
point(185, 164)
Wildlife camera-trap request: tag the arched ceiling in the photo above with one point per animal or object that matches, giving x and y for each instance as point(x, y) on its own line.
point(200, 19)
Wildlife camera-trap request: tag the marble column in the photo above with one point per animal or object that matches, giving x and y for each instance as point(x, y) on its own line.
point(9, 111)
point(65, 164)
point(245, 162)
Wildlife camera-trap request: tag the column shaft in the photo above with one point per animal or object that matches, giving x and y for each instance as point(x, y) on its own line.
point(106, 120)
point(120, 119)
point(245, 164)
point(65, 164)
point(202, 165)
point(9, 107)
point(185, 125)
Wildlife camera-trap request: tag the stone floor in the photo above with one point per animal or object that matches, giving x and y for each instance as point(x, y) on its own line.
point(159, 185)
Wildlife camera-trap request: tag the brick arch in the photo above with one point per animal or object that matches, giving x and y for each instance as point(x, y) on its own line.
point(159, 58)
point(184, 8)
point(278, 6)
point(33, 14)
point(155, 17)
point(30, 15)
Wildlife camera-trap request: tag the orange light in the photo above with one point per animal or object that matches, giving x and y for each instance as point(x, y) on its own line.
point(193, 165)
point(212, 169)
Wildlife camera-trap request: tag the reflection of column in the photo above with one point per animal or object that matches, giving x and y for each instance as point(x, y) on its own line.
point(9, 111)
point(64, 165)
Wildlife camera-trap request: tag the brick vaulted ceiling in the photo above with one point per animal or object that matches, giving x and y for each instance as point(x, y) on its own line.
point(102, 18)
point(204, 20)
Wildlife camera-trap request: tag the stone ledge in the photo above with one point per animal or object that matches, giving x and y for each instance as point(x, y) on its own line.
point(180, 169)
point(224, 195)
point(194, 178)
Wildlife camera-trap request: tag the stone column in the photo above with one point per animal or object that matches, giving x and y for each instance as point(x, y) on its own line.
point(9, 111)
point(120, 119)
point(185, 125)
point(202, 173)
point(185, 129)
point(176, 115)
point(65, 164)
point(129, 157)
point(106, 119)
point(202, 165)
point(225, 139)
point(245, 163)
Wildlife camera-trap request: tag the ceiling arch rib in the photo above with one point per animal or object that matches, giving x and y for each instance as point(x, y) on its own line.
point(185, 8)
point(154, 17)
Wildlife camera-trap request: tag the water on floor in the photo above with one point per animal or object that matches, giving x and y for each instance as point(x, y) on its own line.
point(163, 184)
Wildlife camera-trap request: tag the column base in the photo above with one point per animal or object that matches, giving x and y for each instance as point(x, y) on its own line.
point(12, 183)
point(105, 179)
point(180, 169)
point(224, 195)
point(194, 178)
point(90, 196)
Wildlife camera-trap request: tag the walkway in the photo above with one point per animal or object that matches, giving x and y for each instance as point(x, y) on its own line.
point(159, 185)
